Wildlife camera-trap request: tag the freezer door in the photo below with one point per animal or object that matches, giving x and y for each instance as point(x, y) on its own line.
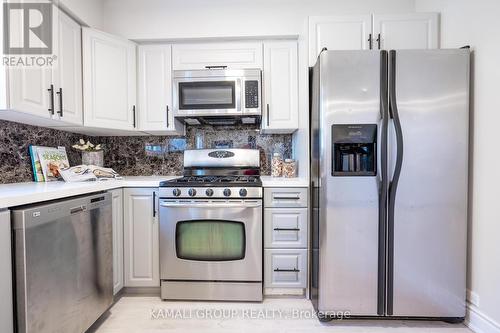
point(349, 84)
point(429, 210)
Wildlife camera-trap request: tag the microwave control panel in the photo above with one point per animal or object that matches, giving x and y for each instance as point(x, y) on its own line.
point(252, 94)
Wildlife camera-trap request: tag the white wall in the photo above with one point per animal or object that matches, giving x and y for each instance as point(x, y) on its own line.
point(215, 18)
point(475, 23)
point(90, 12)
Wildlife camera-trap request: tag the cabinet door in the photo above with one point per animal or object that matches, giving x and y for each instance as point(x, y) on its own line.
point(285, 268)
point(407, 31)
point(233, 55)
point(68, 73)
point(338, 33)
point(109, 80)
point(280, 87)
point(29, 85)
point(6, 292)
point(117, 196)
point(141, 233)
point(285, 227)
point(155, 90)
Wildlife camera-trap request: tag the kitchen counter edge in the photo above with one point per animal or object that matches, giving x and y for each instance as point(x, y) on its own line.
point(17, 194)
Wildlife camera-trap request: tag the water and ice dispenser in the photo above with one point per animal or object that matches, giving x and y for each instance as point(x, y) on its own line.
point(354, 150)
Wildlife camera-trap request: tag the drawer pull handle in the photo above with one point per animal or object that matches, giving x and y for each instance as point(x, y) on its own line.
point(286, 198)
point(295, 270)
point(286, 229)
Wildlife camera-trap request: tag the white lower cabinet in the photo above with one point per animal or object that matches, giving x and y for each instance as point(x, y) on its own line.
point(7, 305)
point(285, 227)
point(285, 241)
point(286, 268)
point(117, 204)
point(141, 237)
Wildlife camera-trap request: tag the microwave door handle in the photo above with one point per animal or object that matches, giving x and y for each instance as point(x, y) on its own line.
point(240, 95)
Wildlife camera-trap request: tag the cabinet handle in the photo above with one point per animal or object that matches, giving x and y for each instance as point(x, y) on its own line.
point(216, 67)
point(370, 41)
point(60, 93)
point(51, 90)
point(286, 229)
point(378, 41)
point(295, 270)
point(267, 108)
point(154, 204)
point(286, 198)
point(167, 118)
point(133, 115)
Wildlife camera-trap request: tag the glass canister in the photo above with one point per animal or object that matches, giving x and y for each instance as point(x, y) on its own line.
point(276, 165)
point(289, 168)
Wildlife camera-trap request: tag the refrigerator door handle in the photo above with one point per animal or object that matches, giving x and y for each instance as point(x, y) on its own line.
point(393, 110)
point(383, 183)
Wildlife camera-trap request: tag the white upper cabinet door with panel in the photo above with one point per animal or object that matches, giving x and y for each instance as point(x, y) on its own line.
point(338, 33)
point(30, 88)
point(109, 81)
point(155, 114)
point(68, 71)
point(141, 238)
point(406, 31)
point(231, 55)
point(280, 87)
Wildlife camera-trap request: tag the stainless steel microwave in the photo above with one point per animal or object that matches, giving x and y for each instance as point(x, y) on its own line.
point(218, 96)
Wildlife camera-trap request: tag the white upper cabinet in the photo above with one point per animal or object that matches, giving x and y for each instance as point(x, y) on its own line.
point(280, 113)
point(231, 55)
point(39, 91)
point(155, 114)
point(68, 73)
point(109, 81)
point(410, 31)
point(338, 33)
point(31, 88)
point(378, 31)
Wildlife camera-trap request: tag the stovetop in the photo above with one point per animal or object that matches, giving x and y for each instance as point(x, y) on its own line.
point(214, 181)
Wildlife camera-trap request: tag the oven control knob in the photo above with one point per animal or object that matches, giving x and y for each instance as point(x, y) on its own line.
point(176, 192)
point(192, 192)
point(243, 192)
point(209, 192)
point(227, 192)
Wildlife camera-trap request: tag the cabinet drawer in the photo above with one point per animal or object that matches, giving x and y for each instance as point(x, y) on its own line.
point(285, 268)
point(285, 197)
point(237, 55)
point(285, 227)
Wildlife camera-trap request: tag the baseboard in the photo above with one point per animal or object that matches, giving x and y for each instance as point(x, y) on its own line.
point(479, 322)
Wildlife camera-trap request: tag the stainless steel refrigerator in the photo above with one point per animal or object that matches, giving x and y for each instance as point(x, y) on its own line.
point(389, 172)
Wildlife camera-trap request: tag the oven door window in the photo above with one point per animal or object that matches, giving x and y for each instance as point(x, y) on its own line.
point(207, 95)
point(210, 240)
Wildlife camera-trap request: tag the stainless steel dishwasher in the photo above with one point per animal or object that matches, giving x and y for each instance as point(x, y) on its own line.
point(63, 264)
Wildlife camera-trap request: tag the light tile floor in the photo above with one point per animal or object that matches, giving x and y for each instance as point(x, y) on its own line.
point(133, 314)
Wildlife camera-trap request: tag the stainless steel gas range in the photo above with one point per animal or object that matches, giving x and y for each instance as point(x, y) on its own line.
point(211, 228)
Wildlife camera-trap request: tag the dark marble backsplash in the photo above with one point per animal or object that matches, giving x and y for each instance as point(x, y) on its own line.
point(134, 155)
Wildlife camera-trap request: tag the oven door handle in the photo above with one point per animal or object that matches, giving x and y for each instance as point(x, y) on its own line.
point(208, 205)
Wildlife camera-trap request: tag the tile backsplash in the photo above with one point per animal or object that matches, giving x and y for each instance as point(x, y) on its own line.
point(134, 155)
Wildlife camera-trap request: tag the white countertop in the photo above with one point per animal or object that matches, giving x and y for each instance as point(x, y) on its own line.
point(17, 194)
point(268, 181)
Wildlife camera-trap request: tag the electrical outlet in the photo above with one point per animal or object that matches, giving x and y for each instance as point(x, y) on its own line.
point(472, 298)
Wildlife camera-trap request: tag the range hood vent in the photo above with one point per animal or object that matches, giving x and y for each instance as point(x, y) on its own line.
point(221, 120)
